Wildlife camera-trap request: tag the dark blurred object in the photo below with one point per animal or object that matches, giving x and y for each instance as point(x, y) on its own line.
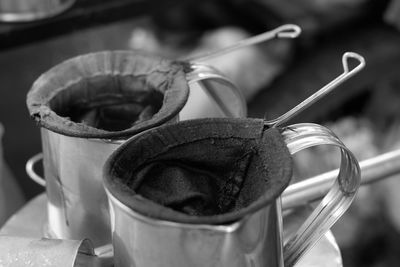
point(11, 198)
point(315, 65)
point(31, 10)
point(173, 17)
point(84, 14)
point(314, 16)
point(392, 14)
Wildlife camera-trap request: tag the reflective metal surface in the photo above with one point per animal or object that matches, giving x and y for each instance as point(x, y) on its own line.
point(325, 253)
point(223, 93)
point(77, 204)
point(253, 241)
point(18, 251)
point(31, 10)
point(140, 241)
point(338, 199)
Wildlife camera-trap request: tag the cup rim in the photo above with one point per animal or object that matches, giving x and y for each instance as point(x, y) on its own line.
point(148, 208)
point(117, 63)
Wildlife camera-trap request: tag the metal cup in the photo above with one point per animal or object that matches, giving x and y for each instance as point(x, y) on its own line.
point(255, 239)
point(74, 153)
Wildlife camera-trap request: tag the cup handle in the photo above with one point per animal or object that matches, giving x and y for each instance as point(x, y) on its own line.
point(335, 202)
point(30, 169)
point(206, 76)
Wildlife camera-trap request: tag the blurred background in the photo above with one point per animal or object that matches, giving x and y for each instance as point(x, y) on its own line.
point(274, 76)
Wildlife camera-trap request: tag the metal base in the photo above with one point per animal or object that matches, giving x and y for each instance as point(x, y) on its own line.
point(325, 253)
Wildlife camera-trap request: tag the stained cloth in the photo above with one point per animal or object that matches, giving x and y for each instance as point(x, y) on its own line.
point(109, 94)
point(209, 171)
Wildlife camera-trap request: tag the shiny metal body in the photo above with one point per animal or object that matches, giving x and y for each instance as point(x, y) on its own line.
point(77, 204)
point(140, 241)
point(16, 251)
point(326, 253)
point(256, 240)
point(220, 89)
point(31, 10)
point(299, 194)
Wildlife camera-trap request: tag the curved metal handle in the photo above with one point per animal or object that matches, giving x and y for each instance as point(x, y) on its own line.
point(337, 200)
point(206, 76)
point(347, 73)
point(30, 169)
point(373, 170)
point(284, 31)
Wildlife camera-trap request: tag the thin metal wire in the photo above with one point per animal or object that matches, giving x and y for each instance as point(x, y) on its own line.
point(285, 31)
point(347, 73)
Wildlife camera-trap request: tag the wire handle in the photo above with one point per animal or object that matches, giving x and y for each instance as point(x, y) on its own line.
point(287, 31)
point(207, 77)
point(347, 74)
point(373, 170)
point(335, 202)
point(30, 169)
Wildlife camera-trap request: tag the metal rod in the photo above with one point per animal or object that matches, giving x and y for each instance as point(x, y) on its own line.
point(372, 170)
point(347, 74)
point(284, 31)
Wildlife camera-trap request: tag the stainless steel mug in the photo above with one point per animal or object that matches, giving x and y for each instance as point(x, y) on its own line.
point(147, 234)
point(74, 152)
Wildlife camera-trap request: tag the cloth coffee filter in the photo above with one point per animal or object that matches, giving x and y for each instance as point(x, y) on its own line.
point(111, 94)
point(210, 171)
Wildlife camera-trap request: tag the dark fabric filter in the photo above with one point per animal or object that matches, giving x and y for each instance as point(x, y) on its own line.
point(201, 171)
point(111, 94)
